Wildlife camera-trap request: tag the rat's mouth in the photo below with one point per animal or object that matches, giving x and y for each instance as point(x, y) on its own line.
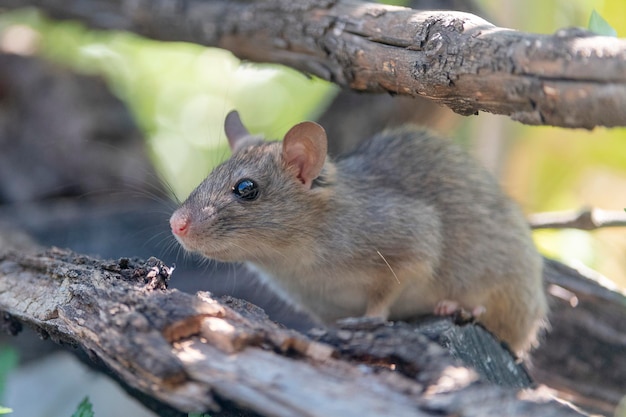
point(231, 253)
point(218, 255)
point(212, 249)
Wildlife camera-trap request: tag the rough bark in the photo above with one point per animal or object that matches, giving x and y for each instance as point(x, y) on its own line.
point(584, 354)
point(198, 353)
point(353, 117)
point(571, 79)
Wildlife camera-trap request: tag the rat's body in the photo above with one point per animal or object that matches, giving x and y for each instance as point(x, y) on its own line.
point(400, 227)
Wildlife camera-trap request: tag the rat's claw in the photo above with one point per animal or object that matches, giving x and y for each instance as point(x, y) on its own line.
point(446, 308)
point(449, 308)
point(478, 311)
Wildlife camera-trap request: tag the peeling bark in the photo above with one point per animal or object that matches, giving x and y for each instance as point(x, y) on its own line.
point(571, 79)
point(197, 353)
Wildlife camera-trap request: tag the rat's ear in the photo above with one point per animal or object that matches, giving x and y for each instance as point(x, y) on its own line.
point(235, 130)
point(304, 148)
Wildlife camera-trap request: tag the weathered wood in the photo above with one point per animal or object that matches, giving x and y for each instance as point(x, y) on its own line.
point(454, 58)
point(198, 353)
point(584, 354)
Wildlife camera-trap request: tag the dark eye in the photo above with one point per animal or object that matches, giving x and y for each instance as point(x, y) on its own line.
point(246, 189)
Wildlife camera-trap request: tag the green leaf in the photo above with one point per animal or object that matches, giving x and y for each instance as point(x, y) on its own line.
point(598, 25)
point(5, 410)
point(9, 359)
point(84, 409)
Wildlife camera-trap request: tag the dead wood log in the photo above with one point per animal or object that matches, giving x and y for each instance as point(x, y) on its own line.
point(453, 58)
point(198, 353)
point(584, 354)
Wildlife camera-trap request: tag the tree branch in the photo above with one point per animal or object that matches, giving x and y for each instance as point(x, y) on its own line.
point(586, 219)
point(570, 79)
point(197, 353)
point(583, 354)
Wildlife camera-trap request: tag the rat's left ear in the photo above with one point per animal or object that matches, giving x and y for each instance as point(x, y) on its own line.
point(304, 149)
point(236, 132)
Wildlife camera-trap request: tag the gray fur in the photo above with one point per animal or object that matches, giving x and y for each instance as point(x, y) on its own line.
point(404, 221)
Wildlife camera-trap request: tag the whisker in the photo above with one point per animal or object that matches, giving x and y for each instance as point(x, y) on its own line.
point(389, 266)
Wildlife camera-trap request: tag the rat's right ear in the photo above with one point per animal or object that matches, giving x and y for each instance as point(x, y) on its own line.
point(304, 149)
point(235, 130)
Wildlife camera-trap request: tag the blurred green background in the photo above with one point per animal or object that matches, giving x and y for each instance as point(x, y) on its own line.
point(180, 93)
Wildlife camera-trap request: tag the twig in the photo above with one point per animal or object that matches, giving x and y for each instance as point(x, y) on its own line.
point(585, 219)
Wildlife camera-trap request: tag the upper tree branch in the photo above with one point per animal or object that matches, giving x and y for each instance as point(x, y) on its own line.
point(570, 79)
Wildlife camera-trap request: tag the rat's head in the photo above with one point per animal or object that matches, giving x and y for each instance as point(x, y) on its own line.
point(256, 203)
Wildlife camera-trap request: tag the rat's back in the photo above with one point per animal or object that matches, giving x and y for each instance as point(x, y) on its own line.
point(487, 256)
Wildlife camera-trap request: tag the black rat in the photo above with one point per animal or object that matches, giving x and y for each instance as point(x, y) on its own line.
point(407, 224)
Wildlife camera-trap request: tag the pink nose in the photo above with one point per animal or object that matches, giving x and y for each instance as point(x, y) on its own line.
point(179, 223)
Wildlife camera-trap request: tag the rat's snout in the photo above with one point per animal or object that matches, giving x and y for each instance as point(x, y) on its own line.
point(179, 222)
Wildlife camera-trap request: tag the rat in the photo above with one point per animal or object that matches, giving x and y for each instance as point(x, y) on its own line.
point(407, 224)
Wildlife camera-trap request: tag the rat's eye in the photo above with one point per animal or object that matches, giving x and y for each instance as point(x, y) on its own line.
point(246, 189)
